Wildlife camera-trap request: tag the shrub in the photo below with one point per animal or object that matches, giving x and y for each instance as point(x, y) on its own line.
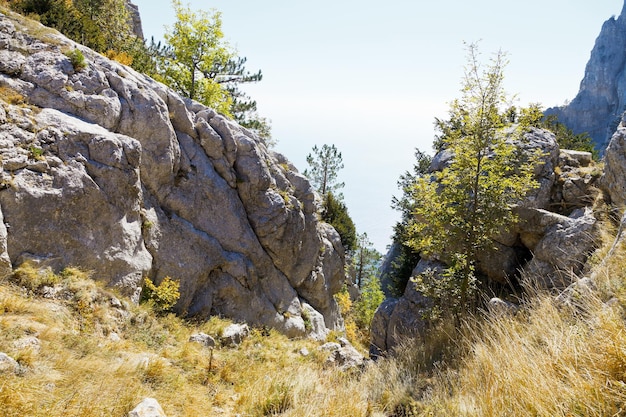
point(33, 278)
point(77, 59)
point(161, 297)
point(119, 56)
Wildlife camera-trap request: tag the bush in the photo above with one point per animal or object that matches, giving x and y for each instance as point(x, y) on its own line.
point(161, 297)
point(77, 59)
point(33, 278)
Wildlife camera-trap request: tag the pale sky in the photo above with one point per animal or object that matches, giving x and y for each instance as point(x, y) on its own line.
point(370, 77)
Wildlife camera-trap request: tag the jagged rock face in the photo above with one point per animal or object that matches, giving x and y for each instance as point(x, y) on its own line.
point(613, 180)
point(601, 99)
point(108, 170)
point(135, 19)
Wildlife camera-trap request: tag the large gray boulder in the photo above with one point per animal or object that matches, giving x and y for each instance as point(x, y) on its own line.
point(613, 180)
point(106, 169)
point(562, 251)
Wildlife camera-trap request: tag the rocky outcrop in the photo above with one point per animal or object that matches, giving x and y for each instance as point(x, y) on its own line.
point(135, 19)
point(613, 180)
point(554, 235)
point(601, 100)
point(106, 169)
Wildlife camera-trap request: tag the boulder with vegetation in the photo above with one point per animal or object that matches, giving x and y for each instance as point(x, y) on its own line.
point(104, 168)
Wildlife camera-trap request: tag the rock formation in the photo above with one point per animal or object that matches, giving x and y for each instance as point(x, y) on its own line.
point(551, 241)
point(135, 19)
point(601, 99)
point(106, 169)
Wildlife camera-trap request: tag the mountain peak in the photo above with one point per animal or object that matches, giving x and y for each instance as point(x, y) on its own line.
point(597, 108)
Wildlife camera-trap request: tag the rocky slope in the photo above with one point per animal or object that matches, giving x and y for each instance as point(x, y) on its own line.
point(106, 169)
point(601, 100)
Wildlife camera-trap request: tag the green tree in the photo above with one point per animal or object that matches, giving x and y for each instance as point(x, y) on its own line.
point(113, 20)
point(243, 108)
point(102, 25)
point(325, 164)
point(404, 263)
point(336, 214)
point(193, 53)
point(365, 260)
point(198, 63)
point(458, 209)
point(367, 303)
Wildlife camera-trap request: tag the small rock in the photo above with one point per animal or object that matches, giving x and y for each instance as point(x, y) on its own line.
point(234, 334)
point(149, 407)
point(577, 292)
point(345, 357)
point(304, 352)
point(498, 306)
point(29, 342)
point(203, 338)
point(332, 346)
point(114, 337)
point(8, 364)
point(116, 303)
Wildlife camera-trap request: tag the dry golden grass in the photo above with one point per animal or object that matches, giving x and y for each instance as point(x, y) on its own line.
point(80, 371)
point(11, 96)
point(548, 360)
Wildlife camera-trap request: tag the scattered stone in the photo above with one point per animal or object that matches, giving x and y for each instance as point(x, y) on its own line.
point(343, 355)
point(149, 407)
point(116, 303)
point(577, 292)
point(498, 306)
point(114, 337)
point(28, 342)
point(234, 334)
point(203, 338)
point(8, 364)
point(304, 352)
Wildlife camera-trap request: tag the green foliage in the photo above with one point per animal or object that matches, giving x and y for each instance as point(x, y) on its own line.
point(459, 209)
point(402, 266)
point(162, 297)
point(336, 214)
point(365, 260)
point(324, 166)
point(365, 306)
point(98, 24)
point(533, 117)
point(36, 153)
point(77, 59)
point(194, 52)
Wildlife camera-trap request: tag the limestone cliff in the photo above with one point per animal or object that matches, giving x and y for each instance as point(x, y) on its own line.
point(601, 100)
point(106, 169)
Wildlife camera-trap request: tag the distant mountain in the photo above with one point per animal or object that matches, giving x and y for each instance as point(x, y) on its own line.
point(601, 100)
